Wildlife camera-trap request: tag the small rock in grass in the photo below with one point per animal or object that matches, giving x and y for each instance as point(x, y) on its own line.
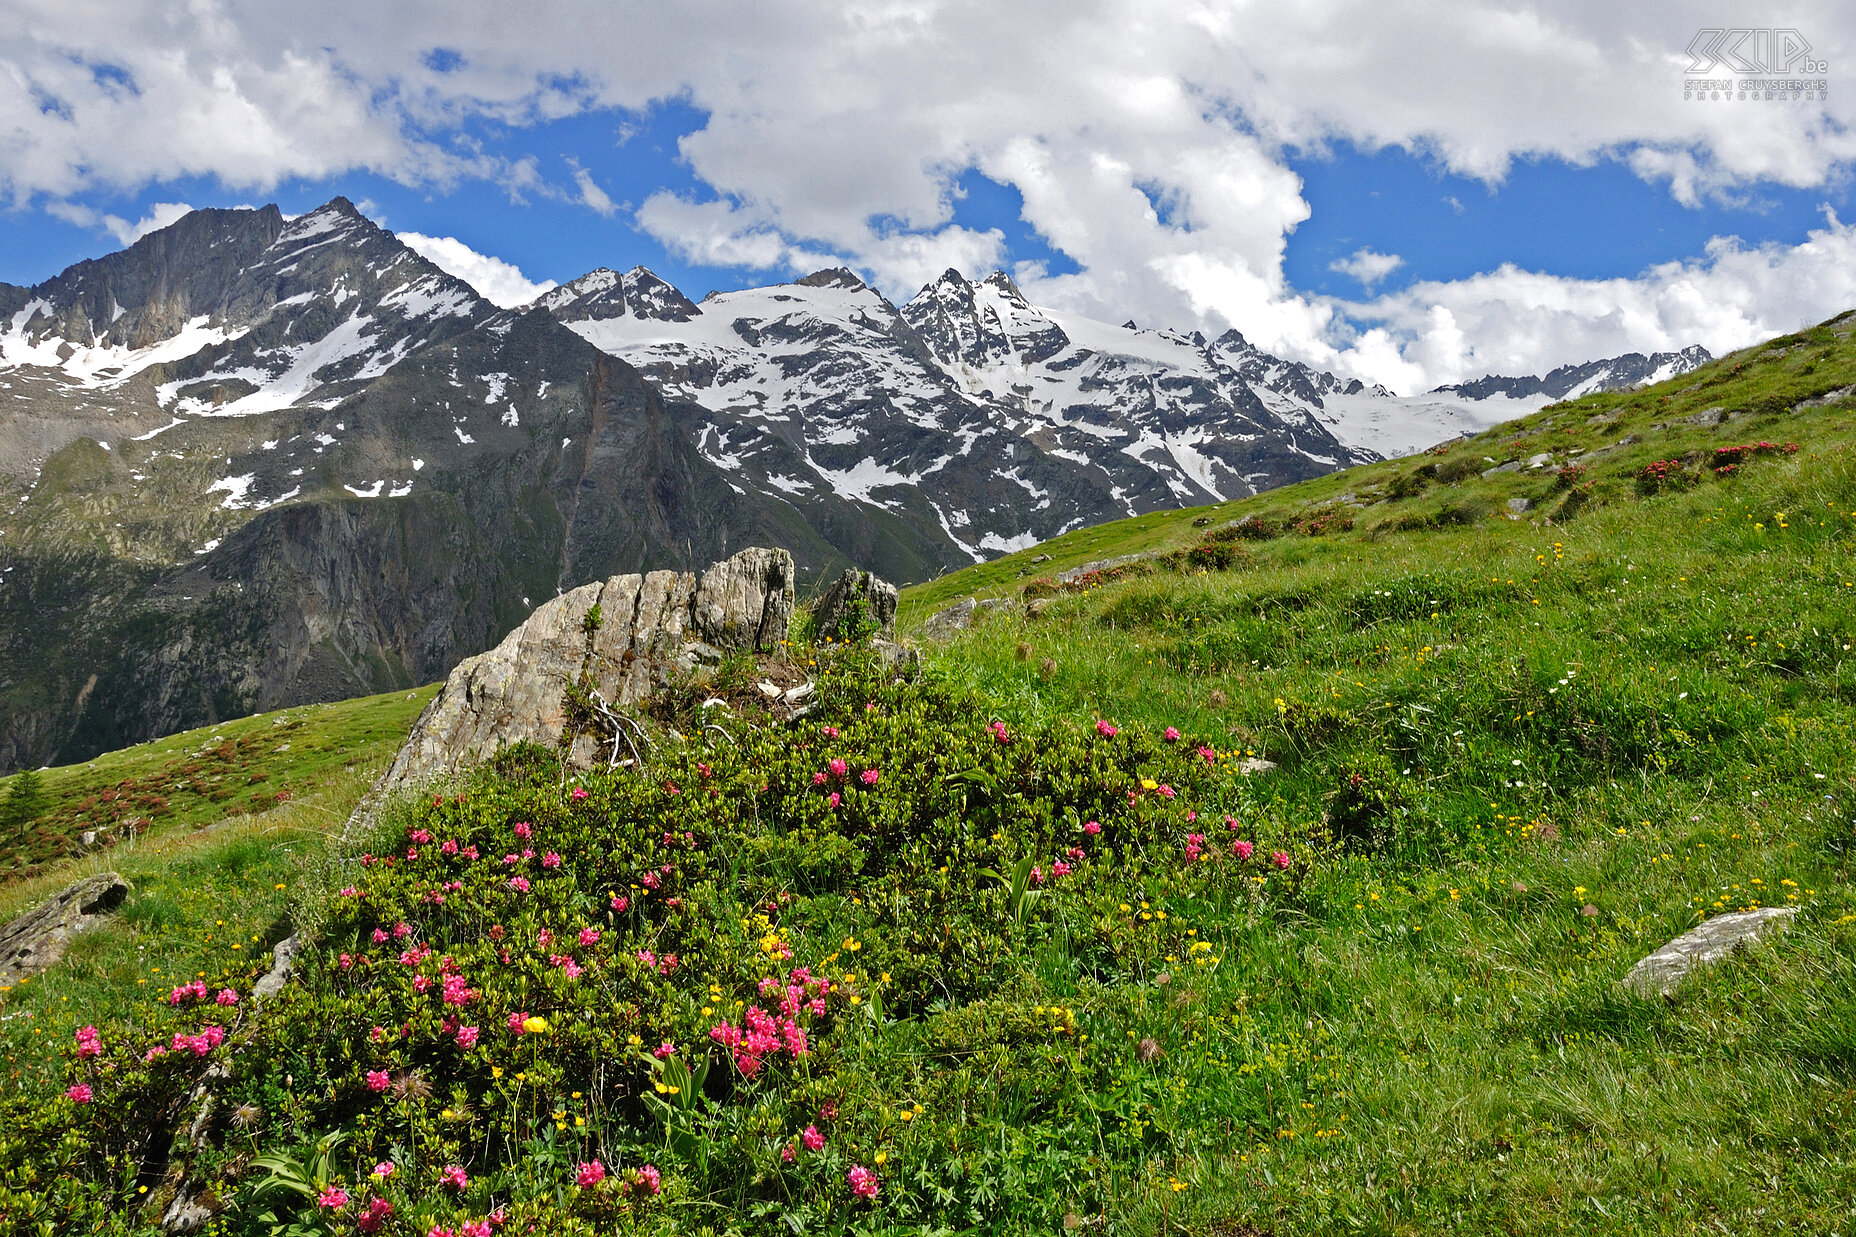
point(1660, 973)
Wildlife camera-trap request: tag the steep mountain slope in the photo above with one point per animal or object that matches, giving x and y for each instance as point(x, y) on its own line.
point(259, 462)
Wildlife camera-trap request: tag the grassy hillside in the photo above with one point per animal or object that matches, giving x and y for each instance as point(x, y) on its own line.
point(190, 780)
point(1033, 941)
point(239, 809)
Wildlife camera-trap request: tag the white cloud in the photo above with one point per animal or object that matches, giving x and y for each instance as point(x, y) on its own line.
point(1511, 321)
point(1147, 140)
point(1366, 267)
point(591, 195)
point(160, 215)
point(497, 281)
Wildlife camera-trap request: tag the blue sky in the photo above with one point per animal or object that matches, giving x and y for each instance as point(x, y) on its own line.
point(1550, 198)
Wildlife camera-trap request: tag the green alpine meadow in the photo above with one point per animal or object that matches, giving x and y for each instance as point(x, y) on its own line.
point(1275, 874)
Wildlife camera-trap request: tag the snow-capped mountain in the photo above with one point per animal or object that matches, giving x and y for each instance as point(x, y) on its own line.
point(1008, 423)
point(252, 461)
point(1616, 373)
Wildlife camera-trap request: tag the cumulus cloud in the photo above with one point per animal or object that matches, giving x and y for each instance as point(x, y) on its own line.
point(1366, 267)
point(1148, 141)
point(497, 281)
point(160, 215)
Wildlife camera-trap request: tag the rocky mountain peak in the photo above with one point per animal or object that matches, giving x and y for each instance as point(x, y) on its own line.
point(973, 327)
point(833, 277)
point(1002, 282)
point(603, 293)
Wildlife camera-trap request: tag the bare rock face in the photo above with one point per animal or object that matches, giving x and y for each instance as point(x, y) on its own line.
point(1659, 973)
point(623, 635)
point(38, 938)
point(836, 614)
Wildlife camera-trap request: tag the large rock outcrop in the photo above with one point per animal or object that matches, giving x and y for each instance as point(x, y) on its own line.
point(624, 636)
point(38, 938)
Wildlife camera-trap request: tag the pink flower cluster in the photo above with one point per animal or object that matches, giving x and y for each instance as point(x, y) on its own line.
point(208, 1039)
point(454, 1176)
point(1105, 729)
point(375, 1217)
point(1195, 846)
point(999, 732)
point(664, 966)
point(590, 1174)
point(89, 1043)
point(760, 1037)
point(456, 991)
point(566, 965)
point(332, 1199)
point(79, 1093)
point(589, 936)
point(1172, 734)
point(195, 991)
point(863, 1182)
point(378, 1081)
